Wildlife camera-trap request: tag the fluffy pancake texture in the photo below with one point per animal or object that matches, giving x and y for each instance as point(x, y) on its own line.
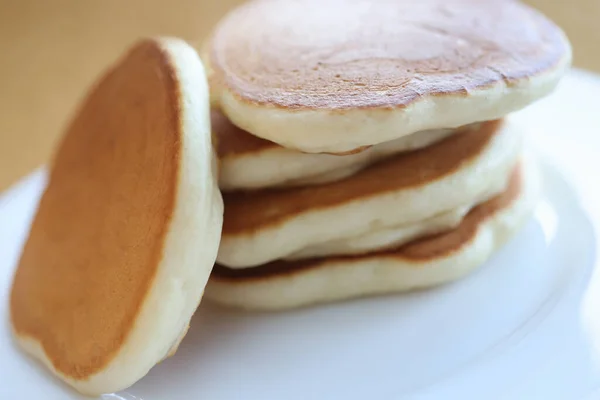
point(127, 230)
point(332, 76)
point(427, 262)
point(249, 162)
point(380, 239)
point(266, 225)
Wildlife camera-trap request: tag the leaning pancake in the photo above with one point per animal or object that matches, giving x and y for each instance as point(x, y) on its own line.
point(266, 225)
point(332, 76)
point(249, 162)
point(426, 262)
point(127, 230)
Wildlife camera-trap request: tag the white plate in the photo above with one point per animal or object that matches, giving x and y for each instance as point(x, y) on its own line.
point(522, 327)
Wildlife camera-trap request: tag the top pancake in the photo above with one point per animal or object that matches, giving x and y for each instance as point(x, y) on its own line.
point(336, 75)
point(111, 272)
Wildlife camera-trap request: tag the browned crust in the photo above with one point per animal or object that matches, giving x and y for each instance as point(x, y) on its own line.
point(350, 152)
point(233, 141)
point(252, 211)
point(97, 238)
point(417, 252)
point(384, 55)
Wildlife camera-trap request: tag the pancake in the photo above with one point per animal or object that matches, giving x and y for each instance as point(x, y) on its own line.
point(331, 76)
point(127, 230)
point(381, 239)
point(249, 162)
point(267, 225)
point(394, 236)
point(427, 262)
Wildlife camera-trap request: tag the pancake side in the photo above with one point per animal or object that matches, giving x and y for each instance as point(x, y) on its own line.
point(381, 239)
point(427, 262)
point(266, 225)
point(336, 75)
point(112, 271)
point(249, 162)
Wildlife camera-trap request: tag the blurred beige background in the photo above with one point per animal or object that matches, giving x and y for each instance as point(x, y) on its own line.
point(52, 49)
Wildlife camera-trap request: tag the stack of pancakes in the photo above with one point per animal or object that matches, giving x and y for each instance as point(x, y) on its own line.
point(364, 148)
point(371, 152)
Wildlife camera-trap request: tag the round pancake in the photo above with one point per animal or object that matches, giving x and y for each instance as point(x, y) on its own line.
point(331, 76)
point(270, 224)
point(127, 230)
point(427, 262)
point(249, 162)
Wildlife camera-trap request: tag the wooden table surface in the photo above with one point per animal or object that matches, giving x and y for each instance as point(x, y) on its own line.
point(52, 50)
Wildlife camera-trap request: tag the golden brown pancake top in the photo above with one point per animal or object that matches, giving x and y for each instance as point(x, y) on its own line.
point(253, 210)
point(97, 239)
point(344, 54)
point(422, 250)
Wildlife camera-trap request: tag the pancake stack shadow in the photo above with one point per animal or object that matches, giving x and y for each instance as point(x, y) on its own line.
point(376, 154)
